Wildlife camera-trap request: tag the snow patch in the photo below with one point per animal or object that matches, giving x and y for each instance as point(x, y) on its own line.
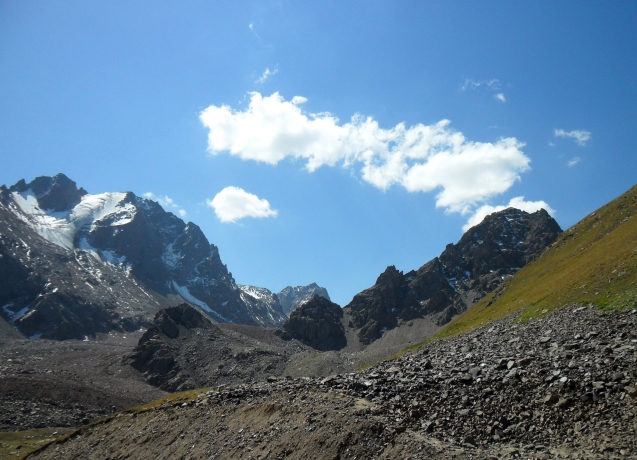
point(61, 227)
point(14, 316)
point(170, 257)
point(188, 297)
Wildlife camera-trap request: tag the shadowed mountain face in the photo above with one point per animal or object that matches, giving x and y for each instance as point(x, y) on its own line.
point(447, 285)
point(316, 323)
point(76, 264)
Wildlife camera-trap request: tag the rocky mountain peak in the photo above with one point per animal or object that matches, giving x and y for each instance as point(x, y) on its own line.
point(56, 193)
point(316, 323)
point(486, 254)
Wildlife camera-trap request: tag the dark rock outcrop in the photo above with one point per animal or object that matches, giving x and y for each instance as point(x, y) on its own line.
point(183, 349)
point(316, 323)
point(154, 356)
point(447, 285)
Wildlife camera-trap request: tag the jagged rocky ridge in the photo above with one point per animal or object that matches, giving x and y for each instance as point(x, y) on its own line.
point(563, 386)
point(73, 261)
point(447, 285)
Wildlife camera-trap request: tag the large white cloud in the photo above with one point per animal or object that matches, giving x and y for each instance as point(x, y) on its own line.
point(234, 203)
point(517, 202)
point(420, 158)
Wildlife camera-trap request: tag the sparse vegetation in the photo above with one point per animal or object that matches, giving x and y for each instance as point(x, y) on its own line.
point(18, 444)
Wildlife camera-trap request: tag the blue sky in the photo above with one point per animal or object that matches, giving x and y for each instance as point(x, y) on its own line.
point(186, 99)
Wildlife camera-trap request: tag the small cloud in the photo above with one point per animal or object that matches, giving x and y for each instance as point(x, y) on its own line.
point(580, 136)
point(573, 161)
point(517, 202)
point(500, 97)
point(492, 85)
point(251, 26)
point(166, 202)
point(266, 74)
point(551, 144)
point(234, 203)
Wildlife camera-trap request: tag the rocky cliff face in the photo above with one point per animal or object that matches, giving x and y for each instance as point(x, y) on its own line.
point(292, 297)
point(71, 259)
point(263, 304)
point(316, 323)
point(447, 285)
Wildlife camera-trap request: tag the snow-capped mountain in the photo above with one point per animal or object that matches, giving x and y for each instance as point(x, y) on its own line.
point(292, 297)
point(121, 246)
point(263, 304)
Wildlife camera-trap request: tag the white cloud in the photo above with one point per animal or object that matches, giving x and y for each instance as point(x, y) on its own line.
point(517, 202)
point(573, 161)
point(419, 158)
point(493, 84)
point(266, 74)
point(234, 203)
point(580, 136)
point(251, 26)
point(166, 202)
point(500, 97)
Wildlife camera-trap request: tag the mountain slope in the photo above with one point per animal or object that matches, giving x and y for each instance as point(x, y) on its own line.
point(595, 261)
point(98, 253)
point(464, 273)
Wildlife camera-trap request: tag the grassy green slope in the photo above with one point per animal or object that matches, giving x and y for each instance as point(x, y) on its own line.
point(595, 261)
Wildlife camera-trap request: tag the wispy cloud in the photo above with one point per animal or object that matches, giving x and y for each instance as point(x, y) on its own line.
point(580, 136)
point(493, 84)
point(166, 202)
point(420, 158)
point(517, 202)
point(234, 203)
point(266, 74)
point(573, 161)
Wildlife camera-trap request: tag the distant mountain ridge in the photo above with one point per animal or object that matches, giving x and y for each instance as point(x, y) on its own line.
point(292, 298)
point(101, 249)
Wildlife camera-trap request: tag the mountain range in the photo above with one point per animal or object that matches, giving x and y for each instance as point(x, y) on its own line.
point(539, 357)
point(76, 264)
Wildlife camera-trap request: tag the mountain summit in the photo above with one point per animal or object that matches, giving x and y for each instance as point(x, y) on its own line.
point(67, 252)
point(465, 272)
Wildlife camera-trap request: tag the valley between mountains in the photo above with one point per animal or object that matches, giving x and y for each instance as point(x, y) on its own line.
point(123, 335)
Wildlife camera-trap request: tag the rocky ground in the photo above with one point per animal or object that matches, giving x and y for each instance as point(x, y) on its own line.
point(47, 383)
point(563, 386)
